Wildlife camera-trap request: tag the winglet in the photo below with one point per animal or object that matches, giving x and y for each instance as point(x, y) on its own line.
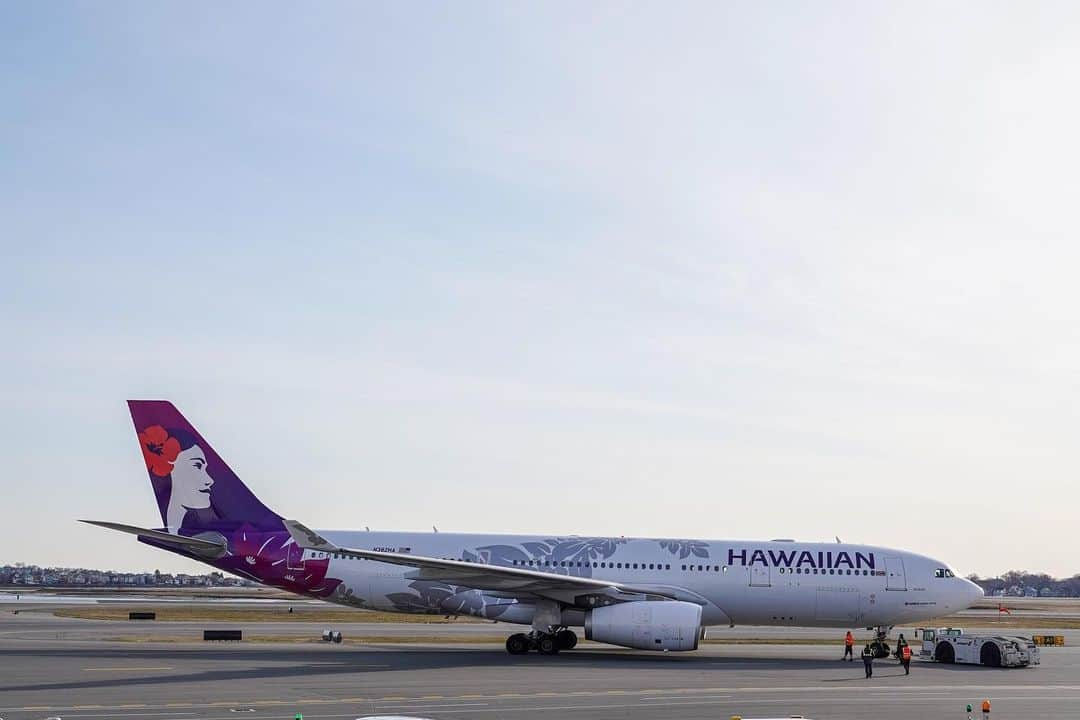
point(307, 538)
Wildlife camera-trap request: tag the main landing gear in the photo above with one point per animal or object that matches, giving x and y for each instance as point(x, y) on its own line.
point(542, 642)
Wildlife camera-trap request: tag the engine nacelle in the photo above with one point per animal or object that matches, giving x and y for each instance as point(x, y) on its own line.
point(646, 625)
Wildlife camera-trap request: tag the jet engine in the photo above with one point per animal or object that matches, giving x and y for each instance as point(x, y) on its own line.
point(646, 625)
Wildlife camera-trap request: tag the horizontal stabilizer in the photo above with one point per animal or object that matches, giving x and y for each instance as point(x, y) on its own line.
point(307, 538)
point(198, 545)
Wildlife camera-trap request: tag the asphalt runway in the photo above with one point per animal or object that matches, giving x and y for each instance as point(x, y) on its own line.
point(53, 667)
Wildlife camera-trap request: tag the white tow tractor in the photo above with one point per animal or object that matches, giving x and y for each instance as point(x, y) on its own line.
point(951, 645)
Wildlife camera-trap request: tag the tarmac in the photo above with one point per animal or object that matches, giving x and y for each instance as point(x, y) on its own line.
point(60, 667)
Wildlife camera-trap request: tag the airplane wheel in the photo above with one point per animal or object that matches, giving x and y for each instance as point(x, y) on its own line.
point(944, 653)
point(517, 644)
point(546, 645)
point(990, 655)
point(566, 639)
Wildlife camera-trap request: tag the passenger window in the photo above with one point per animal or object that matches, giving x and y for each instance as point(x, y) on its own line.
point(684, 568)
point(667, 567)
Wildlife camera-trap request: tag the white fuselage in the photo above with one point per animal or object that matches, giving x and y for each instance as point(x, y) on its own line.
point(735, 582)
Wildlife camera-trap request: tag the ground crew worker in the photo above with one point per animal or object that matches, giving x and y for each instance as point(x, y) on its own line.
point(849, 647)
point(868, 660)
point(986, 709)
point(901, 643)
point(905, 658)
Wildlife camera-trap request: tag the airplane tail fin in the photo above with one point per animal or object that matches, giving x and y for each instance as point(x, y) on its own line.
point(195, 489)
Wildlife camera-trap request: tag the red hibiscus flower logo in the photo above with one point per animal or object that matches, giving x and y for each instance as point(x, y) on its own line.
point(159, 450)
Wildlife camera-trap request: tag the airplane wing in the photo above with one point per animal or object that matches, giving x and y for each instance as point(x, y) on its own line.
point(511, 580)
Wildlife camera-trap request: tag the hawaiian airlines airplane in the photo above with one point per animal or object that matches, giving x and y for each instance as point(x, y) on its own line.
point(651, 594)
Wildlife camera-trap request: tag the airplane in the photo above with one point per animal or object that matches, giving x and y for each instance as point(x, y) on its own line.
point(642, 593)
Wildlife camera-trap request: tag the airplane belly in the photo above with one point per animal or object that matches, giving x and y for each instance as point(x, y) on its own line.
point(837, 606)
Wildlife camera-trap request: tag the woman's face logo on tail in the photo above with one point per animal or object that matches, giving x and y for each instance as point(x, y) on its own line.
point(190, 481)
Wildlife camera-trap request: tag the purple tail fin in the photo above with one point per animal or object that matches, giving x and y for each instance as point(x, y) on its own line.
point(195, 489)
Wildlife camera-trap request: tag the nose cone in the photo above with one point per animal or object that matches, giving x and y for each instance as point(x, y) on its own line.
point(972, 592)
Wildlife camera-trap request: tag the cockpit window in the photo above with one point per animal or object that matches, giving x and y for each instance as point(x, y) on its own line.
point(943, 573)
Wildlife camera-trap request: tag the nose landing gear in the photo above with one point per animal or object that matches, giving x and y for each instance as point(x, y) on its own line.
point(880, 645)
point(544, 643)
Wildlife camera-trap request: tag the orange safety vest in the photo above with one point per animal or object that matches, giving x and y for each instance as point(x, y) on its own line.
point(986, 706)
point(849, 640)
point(906, 652)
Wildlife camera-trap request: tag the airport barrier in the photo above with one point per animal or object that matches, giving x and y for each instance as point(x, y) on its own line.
point(1058, 640)
point(135, 615)
point(222, 635)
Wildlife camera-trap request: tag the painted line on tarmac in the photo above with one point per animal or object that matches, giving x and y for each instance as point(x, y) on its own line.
point(121, 669)
point(450, 711)
point(380, 706)
point(651, 693)
point(129, 714)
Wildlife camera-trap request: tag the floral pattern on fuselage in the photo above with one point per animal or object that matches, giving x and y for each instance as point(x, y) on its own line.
point(686, 548)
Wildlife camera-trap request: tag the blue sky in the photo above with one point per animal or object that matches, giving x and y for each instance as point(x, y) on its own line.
point(739, 270)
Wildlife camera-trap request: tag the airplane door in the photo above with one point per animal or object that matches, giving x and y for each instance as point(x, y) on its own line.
point(760, 576)
point(895, 579)
point(294, 557)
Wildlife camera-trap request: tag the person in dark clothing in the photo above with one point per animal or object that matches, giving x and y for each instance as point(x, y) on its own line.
point(868, 660)
point(901, 643)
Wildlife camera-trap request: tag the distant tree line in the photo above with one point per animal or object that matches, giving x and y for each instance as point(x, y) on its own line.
point(1025, 583)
